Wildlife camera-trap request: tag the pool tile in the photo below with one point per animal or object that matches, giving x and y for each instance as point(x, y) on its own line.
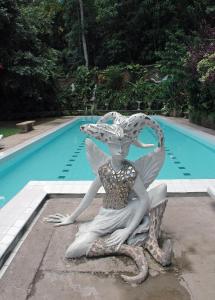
point(3, 229)
point(13, 230)
point(7, 239)
point(3, 247)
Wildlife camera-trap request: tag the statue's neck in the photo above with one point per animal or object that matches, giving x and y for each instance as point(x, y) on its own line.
point(116, 164)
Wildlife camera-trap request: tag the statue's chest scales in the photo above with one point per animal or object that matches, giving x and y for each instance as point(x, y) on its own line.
point(117, 185)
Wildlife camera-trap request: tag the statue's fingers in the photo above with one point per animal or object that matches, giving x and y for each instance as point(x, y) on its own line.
point(47, 219)
point(54, 217)
point(53, 220)
point(115, 234)
point(112, 242)
point(118, 246)
point(110, 239)
point(59, 215)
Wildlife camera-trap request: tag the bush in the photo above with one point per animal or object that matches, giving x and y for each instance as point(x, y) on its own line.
point(202, 118)
point(201, 71)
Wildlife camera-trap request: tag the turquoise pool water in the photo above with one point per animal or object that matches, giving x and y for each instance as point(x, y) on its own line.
point(62, 156)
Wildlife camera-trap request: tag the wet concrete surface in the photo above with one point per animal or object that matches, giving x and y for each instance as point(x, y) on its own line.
point(39, 271)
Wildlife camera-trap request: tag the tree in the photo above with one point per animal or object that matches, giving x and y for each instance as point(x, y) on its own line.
point(30, 64)
point(83, 34)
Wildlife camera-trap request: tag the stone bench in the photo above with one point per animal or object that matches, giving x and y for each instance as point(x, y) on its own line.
point(26, 126)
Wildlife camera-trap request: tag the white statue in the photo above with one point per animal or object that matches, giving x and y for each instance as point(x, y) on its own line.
point(130, 217)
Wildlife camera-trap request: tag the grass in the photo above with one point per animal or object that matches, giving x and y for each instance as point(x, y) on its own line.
point(8, 131)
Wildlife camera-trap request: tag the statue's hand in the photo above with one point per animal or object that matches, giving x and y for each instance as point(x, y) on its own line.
point(118, 237)
point(59, 219)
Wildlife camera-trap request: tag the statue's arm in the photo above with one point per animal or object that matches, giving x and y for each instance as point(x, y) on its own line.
point(143, 206)
point(85, 202)
point(119, 236)
point(88, 198)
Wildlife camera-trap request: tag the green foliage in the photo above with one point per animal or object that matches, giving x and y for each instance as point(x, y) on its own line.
point(201, 72)
point(156, 52)
point(172, 64)
point(30, 65)
point(119, 87)
point(43, 67)
point(206, 67)
point(78, 89)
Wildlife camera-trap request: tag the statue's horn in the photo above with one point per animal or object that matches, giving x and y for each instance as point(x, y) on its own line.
point(136, 122)
point(113, 115)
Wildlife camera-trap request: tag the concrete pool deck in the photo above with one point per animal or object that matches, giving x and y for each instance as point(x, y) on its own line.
point(39, 270)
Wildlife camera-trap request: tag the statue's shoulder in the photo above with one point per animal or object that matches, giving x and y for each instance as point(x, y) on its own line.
point(103, 168)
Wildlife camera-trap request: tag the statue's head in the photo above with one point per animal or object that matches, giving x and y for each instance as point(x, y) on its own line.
point(122, 132)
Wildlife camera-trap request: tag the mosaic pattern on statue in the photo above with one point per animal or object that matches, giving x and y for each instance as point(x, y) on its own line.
point(117, 185)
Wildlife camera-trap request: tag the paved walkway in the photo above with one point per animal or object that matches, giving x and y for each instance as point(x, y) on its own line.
point(40, 272)
point(39, 128)
point(186, 122)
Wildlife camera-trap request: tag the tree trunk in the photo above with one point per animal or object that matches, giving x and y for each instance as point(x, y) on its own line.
point(84, 44)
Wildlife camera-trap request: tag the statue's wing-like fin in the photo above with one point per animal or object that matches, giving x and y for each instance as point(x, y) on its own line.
point(96, 157)
point(149, 166)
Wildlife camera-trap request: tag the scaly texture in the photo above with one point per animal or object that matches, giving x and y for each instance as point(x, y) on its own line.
point(162, 256)
point(99, 248)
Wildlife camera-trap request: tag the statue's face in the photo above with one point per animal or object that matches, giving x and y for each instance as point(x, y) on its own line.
point(119, 150)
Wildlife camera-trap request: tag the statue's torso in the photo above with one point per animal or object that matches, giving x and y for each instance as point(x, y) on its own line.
point(117, 185)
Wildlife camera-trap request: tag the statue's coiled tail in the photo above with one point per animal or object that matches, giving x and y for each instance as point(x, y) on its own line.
point(99, 248)
point(162, 255)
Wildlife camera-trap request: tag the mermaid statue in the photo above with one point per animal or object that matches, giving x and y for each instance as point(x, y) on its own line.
point(128, 223)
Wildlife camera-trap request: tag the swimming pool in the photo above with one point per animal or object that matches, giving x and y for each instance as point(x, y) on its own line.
point(61, 156)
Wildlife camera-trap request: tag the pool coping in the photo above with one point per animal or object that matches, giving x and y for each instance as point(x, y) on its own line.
point(17, 215)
